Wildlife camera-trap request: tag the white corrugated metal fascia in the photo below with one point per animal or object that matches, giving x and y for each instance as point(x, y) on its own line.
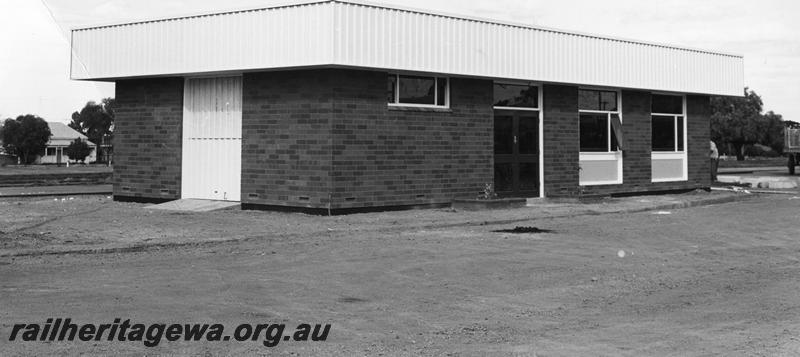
point(406, 9)
point(364, 35)
point(198, 14)
point(217, 43)
point(529, 26)
point(496, 50)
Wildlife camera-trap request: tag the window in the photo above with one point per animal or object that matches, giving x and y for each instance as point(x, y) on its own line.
point(51, 152)
point(667, 104)
point(601, 137)
point(594, 132)
point(600, 125)
point(516, 96)
point(667, 123)
point(417, 91)
point(600, 100)
point(668, 130)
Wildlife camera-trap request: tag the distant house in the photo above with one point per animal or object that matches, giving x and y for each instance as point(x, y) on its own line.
point(55, 152)
point(6, 158)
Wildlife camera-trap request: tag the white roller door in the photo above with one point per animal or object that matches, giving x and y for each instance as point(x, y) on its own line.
point(212, 138)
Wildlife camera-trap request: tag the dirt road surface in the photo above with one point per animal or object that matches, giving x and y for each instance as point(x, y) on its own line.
point(716, 280)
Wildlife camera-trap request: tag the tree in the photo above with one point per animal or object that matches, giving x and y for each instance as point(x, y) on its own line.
point(78, 150)
point(737, 121)
point(95, 120)
point(772, 126)
point(26, 137)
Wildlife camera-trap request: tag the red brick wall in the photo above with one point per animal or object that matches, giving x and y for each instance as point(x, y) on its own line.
point(561, 146)
point(698, 130)
point(636, 124)
point(147, 139)
point(326, 139)
point(390, 157)
point(286, 138)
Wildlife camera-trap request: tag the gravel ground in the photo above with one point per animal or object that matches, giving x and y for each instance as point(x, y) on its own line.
point(714, 280)
point(35, 225)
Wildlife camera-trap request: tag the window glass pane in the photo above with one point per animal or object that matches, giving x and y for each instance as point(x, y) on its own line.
point(617, 135)
point(594, 132)
point(667, 104)
point(680, 133)
point(663, 132)
point(588, 99)
point(441, 91)
point(529, 133)
point(597, 100)
point(514, 95)
point(503, 134)
point(608, 101)
point(417, 90)
point(614, 141)
point(392, 85)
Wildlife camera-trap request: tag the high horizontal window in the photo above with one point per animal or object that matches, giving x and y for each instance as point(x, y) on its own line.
point(667, 123)
point(417, 90)
point(516, 96)
point(600, 100)
point(667, 104)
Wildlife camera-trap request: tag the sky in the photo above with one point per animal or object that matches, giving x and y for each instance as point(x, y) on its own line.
point(34, 38)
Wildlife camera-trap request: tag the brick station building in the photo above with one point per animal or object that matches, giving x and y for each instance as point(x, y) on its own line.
point(340, 106)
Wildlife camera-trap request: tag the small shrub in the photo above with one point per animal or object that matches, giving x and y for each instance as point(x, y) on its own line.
point(488, 192)
point(78, 150)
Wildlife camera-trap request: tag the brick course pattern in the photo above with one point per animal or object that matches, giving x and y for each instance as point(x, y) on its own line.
point(147, 140)
point(409, 156)
point(561, 146)
point(636, 161)
point(286, 138)
point(326, 139)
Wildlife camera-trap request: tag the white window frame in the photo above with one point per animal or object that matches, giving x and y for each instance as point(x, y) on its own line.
point(675, 154)
point(529, 84)
point(397, 102)
point(616, 155)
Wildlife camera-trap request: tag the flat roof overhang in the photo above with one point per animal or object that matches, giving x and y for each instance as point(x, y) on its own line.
point(360, 35)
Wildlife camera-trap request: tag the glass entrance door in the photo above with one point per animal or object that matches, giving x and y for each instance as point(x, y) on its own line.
point(516, 153)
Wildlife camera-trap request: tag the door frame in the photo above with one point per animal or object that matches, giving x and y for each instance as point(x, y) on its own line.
point(516, 158)
point(184, 154)
point(540, 111)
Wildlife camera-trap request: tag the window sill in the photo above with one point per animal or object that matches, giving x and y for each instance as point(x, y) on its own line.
point(667, 155)
point(403, 108)
point(669, 180)
point(599, 183)
point(599, 155)
point(512, 109)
